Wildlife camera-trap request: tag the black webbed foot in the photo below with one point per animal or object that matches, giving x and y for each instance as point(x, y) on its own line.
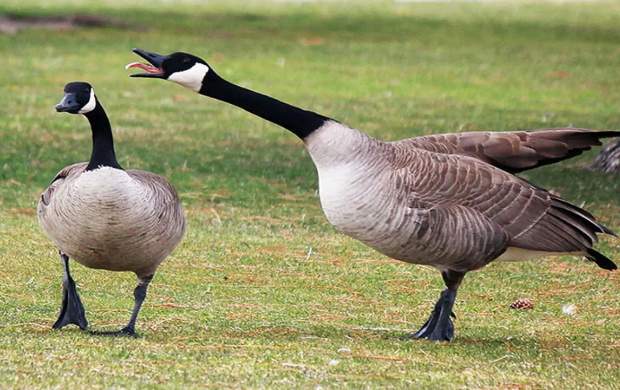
point(72, 310)
point(439, 326)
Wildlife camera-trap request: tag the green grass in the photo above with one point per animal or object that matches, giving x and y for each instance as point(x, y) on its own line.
point(242, 303)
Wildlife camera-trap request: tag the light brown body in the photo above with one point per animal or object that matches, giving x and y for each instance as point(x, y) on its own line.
point(439, 201)
point(112, 219)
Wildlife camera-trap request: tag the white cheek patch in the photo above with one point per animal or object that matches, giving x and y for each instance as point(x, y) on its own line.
point(192, 77)
point(92, 102)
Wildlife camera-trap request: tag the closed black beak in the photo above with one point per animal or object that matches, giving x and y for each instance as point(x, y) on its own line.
point(69, 104)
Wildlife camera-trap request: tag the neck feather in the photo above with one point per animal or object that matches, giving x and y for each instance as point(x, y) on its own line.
point(103, 154)
point(300, 122)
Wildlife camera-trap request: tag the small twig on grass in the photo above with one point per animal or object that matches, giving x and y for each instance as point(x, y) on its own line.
point(293, 365)
point(379, 329)
point(380, 357)
point(217, 216)
point(500, 359)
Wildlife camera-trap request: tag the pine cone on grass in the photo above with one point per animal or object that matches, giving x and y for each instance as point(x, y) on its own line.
point(522, 304)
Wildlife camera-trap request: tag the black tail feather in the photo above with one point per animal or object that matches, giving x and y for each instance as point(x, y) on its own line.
point(607, 230)
point(600, 260)
point(588, 218)
point(608, 134)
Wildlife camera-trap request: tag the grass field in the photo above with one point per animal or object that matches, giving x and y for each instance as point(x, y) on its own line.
point(263, 292)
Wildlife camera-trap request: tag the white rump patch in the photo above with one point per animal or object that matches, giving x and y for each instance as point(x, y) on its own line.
point(92, 102)
point(520, 254)
point(192, 77)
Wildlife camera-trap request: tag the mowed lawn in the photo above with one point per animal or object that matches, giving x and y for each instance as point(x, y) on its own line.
point(263, 292)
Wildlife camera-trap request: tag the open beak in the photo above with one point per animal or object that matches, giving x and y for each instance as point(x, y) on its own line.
point(153, 69)
point(68, 104)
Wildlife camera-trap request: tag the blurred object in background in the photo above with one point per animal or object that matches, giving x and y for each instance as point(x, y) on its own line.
point(11, 24)
point(608, 160)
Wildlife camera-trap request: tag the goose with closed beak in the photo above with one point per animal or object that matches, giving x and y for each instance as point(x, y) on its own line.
point(449, 201)
point(106, 217)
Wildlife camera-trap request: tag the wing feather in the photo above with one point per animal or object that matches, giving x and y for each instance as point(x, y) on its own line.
point(67, 171)
point(531, 217)
point(514, 151)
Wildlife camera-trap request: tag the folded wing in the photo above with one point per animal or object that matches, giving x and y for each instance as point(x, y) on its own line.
point(532, 218)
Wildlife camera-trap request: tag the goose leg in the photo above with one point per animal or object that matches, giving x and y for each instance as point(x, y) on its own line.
point(439, 326)
point(139, 294)
point(72, 310)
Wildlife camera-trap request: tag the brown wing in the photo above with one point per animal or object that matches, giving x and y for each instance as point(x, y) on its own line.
point(458, 238)
point(531, 217)
point(60, 177)
point(514, 151)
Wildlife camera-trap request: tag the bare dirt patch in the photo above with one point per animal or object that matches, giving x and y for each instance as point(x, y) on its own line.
point(11, 24)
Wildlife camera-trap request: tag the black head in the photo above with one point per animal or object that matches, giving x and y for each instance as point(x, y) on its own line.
point(182, 68)
point(79, 98)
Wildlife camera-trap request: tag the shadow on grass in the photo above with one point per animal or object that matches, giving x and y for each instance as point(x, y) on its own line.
point(334, 332)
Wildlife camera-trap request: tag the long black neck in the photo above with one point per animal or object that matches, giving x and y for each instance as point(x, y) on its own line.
point(300, 122)
point(103, 145)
